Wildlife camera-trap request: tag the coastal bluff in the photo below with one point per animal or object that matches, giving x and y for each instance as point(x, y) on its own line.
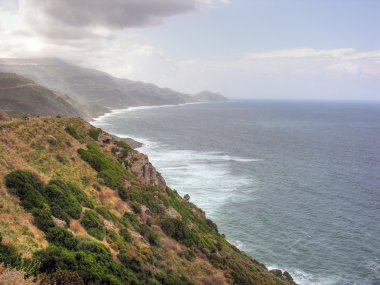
point(81, 206)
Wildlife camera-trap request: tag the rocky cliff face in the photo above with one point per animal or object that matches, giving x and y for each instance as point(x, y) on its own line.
point(136, 162)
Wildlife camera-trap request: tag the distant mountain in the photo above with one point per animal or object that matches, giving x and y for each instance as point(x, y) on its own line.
point(98, 91)
point(24, 97)
point(208, 96)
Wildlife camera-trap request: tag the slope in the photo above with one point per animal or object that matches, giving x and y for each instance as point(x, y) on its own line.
point(24, 96)
point(79, 206)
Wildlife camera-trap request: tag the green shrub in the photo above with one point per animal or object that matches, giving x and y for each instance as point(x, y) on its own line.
point(94, 133)
point(72, 132)
point(178, 230)
point(57, 212)
point(27, 187)
point(61, 237)
point(126, 235)
point(169, 279)
point(42, 219)
point(109, 170)
point(93, 247)
point(149, 235)
point(75, 192)
point(136, 207)
point(129, 261)
point(65, 200)
point(122, 193)
point(93, 224)
point(125, 145)
point(115, 240)
point(131, 218)
point(93, 268)
point(149, 196)
point(104, 213)
point(9, 255)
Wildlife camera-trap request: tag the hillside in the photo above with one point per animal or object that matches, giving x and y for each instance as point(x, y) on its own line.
point(24, 97)
point(96, 90)
point(79, 206)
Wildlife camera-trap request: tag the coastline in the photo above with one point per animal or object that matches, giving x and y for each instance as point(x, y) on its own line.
point(144, 145)
point(129, 109)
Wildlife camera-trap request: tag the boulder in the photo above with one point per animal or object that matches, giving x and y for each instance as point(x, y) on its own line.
point(52, 140)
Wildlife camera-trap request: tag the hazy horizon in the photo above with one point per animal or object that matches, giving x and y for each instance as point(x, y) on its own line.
point(296, 50)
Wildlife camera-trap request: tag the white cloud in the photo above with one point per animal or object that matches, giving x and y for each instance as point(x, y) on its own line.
point(303, 52)
point(274, 74)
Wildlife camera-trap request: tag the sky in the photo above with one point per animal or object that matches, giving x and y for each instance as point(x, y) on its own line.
point(259, 49)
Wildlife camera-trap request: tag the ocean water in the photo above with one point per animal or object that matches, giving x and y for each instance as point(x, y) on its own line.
point(296, 185)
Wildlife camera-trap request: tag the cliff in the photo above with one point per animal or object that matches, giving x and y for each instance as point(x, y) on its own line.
point(79, 206)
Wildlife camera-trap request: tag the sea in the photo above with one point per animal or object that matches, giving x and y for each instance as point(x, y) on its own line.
point(294, 184)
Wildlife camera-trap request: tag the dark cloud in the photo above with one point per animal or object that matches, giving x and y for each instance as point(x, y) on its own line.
point(108, 13)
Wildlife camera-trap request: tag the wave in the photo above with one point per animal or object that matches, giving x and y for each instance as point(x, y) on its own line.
point(200, 174)
point(301, 277)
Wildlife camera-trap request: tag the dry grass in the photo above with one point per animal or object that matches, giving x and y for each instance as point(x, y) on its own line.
point(10, 276)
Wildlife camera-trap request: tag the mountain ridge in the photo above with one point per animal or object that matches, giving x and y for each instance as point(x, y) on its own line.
point(97, 91)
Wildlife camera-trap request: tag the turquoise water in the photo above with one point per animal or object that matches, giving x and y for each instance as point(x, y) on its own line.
point(296, 185)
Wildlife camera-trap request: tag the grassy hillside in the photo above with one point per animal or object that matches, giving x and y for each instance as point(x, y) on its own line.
point(79, 206)
point(23, 96)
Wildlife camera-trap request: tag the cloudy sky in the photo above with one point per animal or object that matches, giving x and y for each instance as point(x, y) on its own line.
point(304, 49)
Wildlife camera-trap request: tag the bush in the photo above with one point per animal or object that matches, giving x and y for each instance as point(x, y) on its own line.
point(94, 133)
point(72, 132)
point(104, 213)
point(61, 277)
point(27, 187)
point(126, 235)
point(61, 237)
point(129, 261)
point(124, 145)
point(75, 192)
point(93, 268)
point(178, 230)
point(93, 247)
point(58, 197)
point(109, 170)
point(93, 224)
point(149, 235)
point(131, 218)
point(60, 214)
point(148, 197)
point(136, 207)
point(122, 193)
point(9, 256)
point(169, 279)
point(114, 240)
point(42, 219)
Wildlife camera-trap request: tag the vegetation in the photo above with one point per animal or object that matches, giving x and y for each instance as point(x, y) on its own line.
point(93, 224)
point(94, 133)
point(27, 187)
point(178, 230)
point(73, 132)
point(8, 255)
point(23, 96)
point(148, 235)
point(109, 170)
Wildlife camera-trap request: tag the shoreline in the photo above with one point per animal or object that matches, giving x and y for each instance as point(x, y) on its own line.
point(279, 271)
point(143, 107)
